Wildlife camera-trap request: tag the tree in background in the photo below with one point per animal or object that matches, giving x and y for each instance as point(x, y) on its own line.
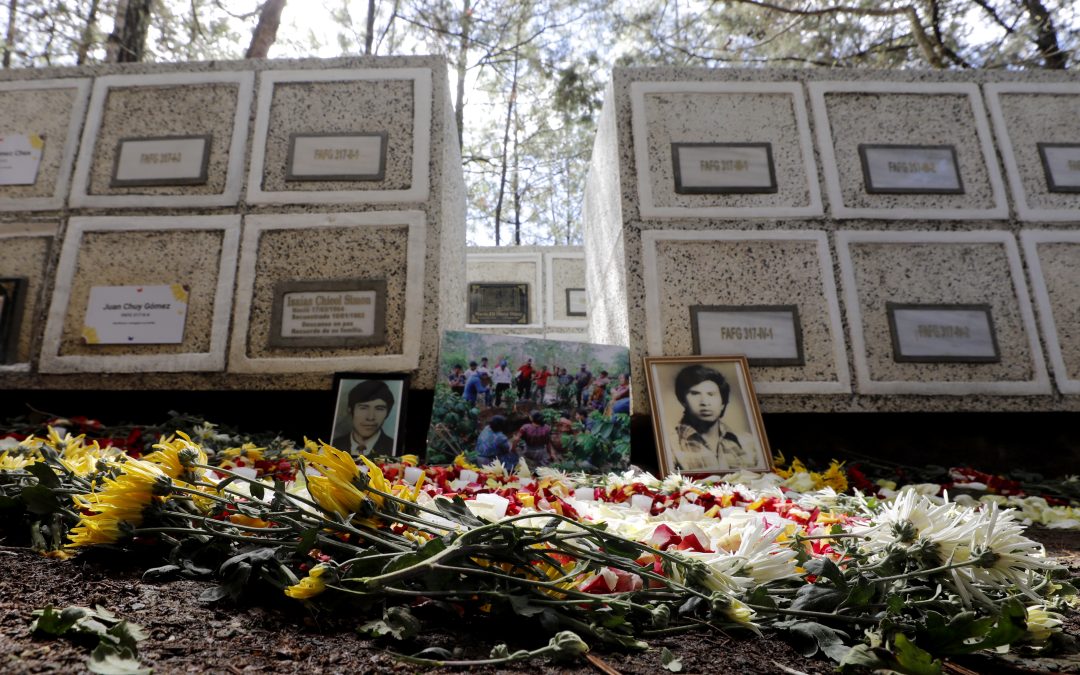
point(527, 74)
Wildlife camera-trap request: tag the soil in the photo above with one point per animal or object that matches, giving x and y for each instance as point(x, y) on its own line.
point(281, 636)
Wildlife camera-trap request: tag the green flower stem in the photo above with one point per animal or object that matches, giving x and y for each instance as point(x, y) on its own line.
point(247, 528)
point(517, 656)
point(842, 535)
point(205, 532)
point(218, 469)
point(814, 615)
point(933, 570)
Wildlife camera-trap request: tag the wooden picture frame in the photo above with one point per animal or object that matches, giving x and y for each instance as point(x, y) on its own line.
point(690, 412)
point(367, 392)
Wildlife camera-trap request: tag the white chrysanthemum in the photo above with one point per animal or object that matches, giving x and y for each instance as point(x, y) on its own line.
point(800, 482)
point(764, 559)
point(825, 498)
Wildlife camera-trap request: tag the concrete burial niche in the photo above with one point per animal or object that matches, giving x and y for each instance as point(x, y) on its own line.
point(1053, 258)
point(720, 149)
point(685, 288)
point(907, 150)
point(376, 258)
point(946, 272)
point(702, 216)
point(24, 257)
point(195, 256)
point(504, 291)
point(1038, 130)
point(164, 140)
point(381, 118)
point(527, 290)
point(44, 116)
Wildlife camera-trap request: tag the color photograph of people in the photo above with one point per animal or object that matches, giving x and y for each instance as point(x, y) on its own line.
point(544, 402)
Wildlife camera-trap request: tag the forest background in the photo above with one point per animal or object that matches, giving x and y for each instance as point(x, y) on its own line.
point(528, 75)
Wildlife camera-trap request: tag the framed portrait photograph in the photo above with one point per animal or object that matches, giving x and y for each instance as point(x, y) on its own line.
point(369, 413)
point(705, 415)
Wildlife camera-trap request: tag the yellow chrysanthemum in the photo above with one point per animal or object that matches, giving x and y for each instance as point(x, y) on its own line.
point(121, 500)
point(462, 463)
point(410, 460)
point(335, 490)
point(9, 462)
point(311, 585)
point(835, 477)
point(167, 455)
point(247, 451)
point(82, 460)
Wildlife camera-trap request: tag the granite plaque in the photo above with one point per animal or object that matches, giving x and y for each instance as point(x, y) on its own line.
point(942, 333)
point(161, 160)
point(504, 304)
point(334, 313)
point(723, 168)
point(12, 297)
point(137, 315)
point(20, 157)
point(331, 156)
point(910, 169)
point(768, 335)
point(1061, 164)
point(577, 303)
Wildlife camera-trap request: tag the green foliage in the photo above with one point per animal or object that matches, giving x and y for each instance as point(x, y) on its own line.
point(116, 641)
point(606, 447)
point(453, 426)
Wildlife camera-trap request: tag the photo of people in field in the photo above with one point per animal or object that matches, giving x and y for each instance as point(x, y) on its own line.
point(551, 403)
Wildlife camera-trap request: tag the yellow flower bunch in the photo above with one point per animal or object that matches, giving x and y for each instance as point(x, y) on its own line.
point(82, 459)
point(121, 500)
point(14, 462)
point(311, 585)
point(833, 477)
point(167, 455)
point(248, 452)
point(334, 489)
point(462, 463)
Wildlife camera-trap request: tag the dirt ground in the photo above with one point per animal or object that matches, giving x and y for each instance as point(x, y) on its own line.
point(281, 636)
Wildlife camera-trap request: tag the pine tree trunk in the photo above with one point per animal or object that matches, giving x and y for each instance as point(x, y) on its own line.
point(9, 40)
point(462, 68)
point(87, 34)
point(265, 33)
point(127, 44)
point(369, 35)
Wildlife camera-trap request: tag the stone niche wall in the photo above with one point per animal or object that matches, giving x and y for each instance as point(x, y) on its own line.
point(554, 277)
point(815, 224)
point(259, 217)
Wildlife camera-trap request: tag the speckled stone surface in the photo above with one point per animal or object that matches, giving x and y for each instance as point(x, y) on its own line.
point(565, 273)
point(174, 110)
point(613, 223)
point(367, 253)
point(26, 257)
point(906, 119)
point(1060, 263)
point(1041, 118)
point(47, 113)
point(731, 273)
point(201, 108)
point(341, 107)
point(189, 257)
point(929, 273)
point(725, 118)
point(479, 270)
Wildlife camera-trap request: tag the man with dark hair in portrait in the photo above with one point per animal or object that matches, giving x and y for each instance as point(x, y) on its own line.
point(370, 403)
point(705, 442)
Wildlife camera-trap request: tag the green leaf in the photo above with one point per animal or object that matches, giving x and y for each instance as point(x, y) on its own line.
point(40, 500)
point(397, 622)
point(824, 567)
point(51, 622)
point(520, 605)
point(457, 511)
point(213, 594)
point(44, 473)
point(815, 598)
point(257, 490)
point(914, 661)
point(864, 656)
point(809, 637)
point(670, 661)
point(429, 549)
point(163, 573)
point(106, 660)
